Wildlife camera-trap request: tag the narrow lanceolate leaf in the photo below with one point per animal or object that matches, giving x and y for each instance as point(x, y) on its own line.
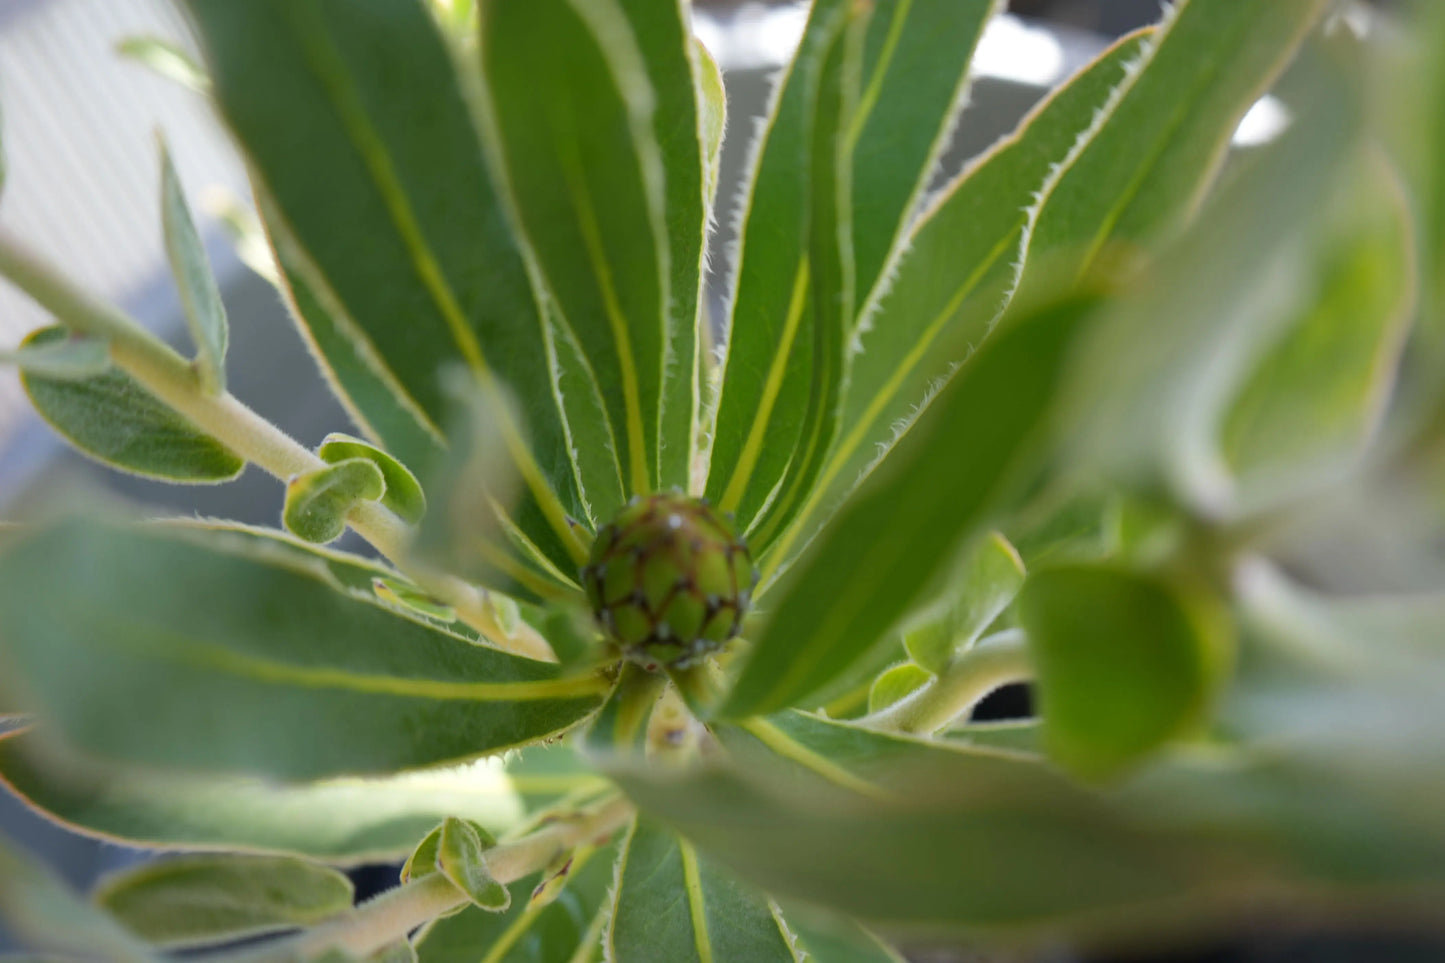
point(982, 585)
point(559, 931)
point(37, 908)
point(767, 371)
point(948, 285)
point(166, 59)
point(1148, 158)
point(896, 536)
point(712, 108)
point(61, 359)
point(194, 900)
point(116, 421)
point(920, 837)
point(394, 215)
point(914, 70)
point(684, 123)
point(403, 496)
point(234, 654)
point(591, 439)
point(340, 821)
point(1318, 393)
point(830, 273)
point(461, 858)
point(673, 905)
point(1125, 663)
point(200, 298)
point(318, 502)
point(572, 109)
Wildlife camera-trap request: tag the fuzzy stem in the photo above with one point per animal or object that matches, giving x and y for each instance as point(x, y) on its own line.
point(995, 661)
point(173, 380)
point(393, 914)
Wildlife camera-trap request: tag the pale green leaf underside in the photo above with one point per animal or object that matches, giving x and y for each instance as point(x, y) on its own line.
point(975, 592)
point(68, 359)
point(240, 676)
point(199, 899)
point(318, 502)
point(166, 59)
point(200, 298)
point(116, 421)
point(404, 494)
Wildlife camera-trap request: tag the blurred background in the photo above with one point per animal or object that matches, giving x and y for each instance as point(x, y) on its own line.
point(82, 189)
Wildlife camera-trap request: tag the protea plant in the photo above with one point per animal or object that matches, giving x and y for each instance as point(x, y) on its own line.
point(674, 625)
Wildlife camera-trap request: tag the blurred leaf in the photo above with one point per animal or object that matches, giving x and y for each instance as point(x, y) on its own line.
point(923, 838)
point(405, 596)
point(833, 939)
point(1125, 663)
point(1148, 395)
point(242, 226)
point(39, 909)
point(895, 683)
point(194, 900)
point(400, 951)
point(61, 359)
point(767, 368)
point(682, 125)
point(393, 216)
point(1148, 158)
point(931, 316)
point(425, 858)
point(672, 905)
point(915, 73)
point(346, 820)
point(249, 665)
point(318, 502)
point(1320, 390)
point(570, 103)
point(983, 583)
point(620, 726)
point(166, 59)
point(895, 536)
point(200, 298)
point(829, 272)
point(114, 420)
point(404, 495)
point(461, 858)
point(528, 931)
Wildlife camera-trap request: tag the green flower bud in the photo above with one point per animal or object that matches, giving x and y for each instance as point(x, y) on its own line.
point(668, 580)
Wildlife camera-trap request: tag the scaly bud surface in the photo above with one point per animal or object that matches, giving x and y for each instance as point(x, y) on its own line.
point(669, 581)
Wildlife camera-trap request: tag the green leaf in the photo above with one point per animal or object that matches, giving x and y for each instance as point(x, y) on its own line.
point(670, 904)
point(194, 900)
point(620, 726)
point(67, 359)
point(393, 216)
point(834, 939)
point(915, 331)
point(767, 368)
point(234, 653)
point(571, 107)
point(400, 951)
point(829, 273)
point(461, 857)
point(1148, 158)
point(685, 123)
point(1125, 663)
point(200, 298)
point(712, 110)
point(39, 909)
point(166, 59)
point(318, 502)
point(893, 539)
point(922, 838)
point(344, 820)
point(1319, 391)
point(983, 584)
point(895, 683)
point(529, 931)
point(406, 596)
point(404, 495)
point(116, 421)
point(915, 74)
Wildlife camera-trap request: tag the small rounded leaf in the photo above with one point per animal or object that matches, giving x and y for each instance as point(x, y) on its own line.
point(461, 858)
point(317, 502)
point(896, 683)
point(404, 494)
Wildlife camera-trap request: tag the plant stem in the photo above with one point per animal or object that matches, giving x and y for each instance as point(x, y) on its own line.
point(393, 914)
point(173, 380)
point(993, 662)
